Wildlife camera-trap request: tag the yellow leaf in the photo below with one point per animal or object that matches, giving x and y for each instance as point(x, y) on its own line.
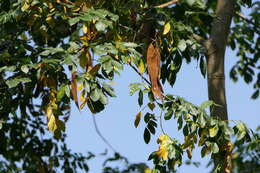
point(49, 112)
point(52, 123)
point(84, 103)
point(163, 139)
point(25, 6)
point(166, 28)
point(213, 131)
point(137, 119)
point(84, 38)
point(80, 87)
point(147, 170)
point(76, 9)
point(141, 67)
point(81, 97)
point(162, 153)
point(85, 29)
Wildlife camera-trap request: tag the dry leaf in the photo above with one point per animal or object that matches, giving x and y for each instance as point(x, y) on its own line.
point(137, 119)
point(74, 88)
point(153, 64)
point(189, 153)
point(141, 67)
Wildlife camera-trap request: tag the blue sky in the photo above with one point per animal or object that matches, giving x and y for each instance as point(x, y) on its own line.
point(117, 121)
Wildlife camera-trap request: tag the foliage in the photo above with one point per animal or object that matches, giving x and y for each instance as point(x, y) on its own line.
point(52, 51)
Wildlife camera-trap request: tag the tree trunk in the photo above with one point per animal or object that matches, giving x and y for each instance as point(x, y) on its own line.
point(216, 46)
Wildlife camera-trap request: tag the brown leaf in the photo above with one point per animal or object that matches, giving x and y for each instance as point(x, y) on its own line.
point(74, 88)
point(89, 65)
point(189, 153)
point(153, 64)
point(137, 119)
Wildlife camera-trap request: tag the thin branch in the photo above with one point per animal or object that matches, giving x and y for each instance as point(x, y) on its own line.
point(242, 16)
point(101, 136)
point(161, 125)
point(146, 80)
point(167, 4)
point(199, 39)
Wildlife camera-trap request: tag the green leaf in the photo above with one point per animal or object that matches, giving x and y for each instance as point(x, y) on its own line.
point(100, 26)
point(186, 130)
point(228, 131)
point(215, 148)
point(180, 122)
point(203, 67)
point(201, 120)
point(241, 135)
point(14, 82)
point(73, 21)
point(190, 2)
point(151, 106)
point(168, 114)
point(67, 91)
point(147, 136)
point(182, 45)
point(103, 99)
point(134, 87)
point(140, 98)
point(25, 69)
point(255, 95)
point(151, 127)
point(240, 126)
point(108, 89)
point(206, 104)
point(94, 95)
point(61, 92)
point(213, 131)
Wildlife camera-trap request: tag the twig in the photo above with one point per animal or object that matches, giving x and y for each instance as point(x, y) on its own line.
point(167, 4)
point(147, 81)
point(101, 136)
point(200, 39)
point(161, 125)
point(246, 19)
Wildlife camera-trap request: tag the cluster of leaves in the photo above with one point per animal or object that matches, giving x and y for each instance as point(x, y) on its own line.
point(244, 39)
point(60, 48)
point(214, 136)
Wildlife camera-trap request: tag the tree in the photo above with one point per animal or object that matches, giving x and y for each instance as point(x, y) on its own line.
point(54, 50)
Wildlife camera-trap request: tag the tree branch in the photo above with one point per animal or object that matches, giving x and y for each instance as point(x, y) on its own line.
point(242, 16)
point(101, 136)
point(199, 39)
point(147, 81)
point(167, 4)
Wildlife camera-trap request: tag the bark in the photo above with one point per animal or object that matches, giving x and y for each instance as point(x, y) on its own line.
point(216, 47)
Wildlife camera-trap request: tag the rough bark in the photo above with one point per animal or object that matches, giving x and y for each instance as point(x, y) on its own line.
point(216, 47)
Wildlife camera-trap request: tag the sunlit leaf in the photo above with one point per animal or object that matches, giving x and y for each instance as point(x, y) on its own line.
point(166, 28)
point(52, 123)
point(213, 131)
